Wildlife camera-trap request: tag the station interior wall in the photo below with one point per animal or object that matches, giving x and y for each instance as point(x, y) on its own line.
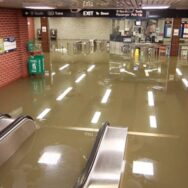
point(13, 65)
point(79, 28)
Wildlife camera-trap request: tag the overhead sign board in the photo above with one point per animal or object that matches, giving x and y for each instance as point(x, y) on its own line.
point(133, 13)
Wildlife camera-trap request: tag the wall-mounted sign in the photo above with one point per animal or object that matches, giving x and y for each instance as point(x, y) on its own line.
point(2, 46)
point(86, 13)
point(9, 44)
point(44, 29)
point(176, 32)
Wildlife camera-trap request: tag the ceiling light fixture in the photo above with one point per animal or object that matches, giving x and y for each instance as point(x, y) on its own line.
point(39, 7)
point(155, 7)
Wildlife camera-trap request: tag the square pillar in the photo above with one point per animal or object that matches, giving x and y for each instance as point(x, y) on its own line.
point(45, 34)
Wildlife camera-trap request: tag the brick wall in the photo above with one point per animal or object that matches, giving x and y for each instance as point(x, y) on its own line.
point(175, 39)
point(13, 65)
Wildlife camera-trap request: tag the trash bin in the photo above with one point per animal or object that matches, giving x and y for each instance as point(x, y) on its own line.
point(30, 46)
point(36, 64)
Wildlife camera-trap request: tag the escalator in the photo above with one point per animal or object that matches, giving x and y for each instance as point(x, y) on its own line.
point(13, 133)
point(102, 168)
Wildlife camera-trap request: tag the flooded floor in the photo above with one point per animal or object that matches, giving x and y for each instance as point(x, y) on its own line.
point(149, 96)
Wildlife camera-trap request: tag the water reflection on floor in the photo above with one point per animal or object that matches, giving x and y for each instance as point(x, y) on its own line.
point(147, 96)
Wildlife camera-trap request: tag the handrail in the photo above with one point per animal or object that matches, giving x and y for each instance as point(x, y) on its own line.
point(5, 115)
point(85, 173)
point(13, 124)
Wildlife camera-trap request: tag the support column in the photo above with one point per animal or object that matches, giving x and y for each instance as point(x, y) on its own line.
point(175, 37)
point(45, 34)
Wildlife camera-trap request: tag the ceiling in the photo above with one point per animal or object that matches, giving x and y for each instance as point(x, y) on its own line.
point(106, 4)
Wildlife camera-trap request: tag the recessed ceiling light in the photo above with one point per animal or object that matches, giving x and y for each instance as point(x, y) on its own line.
point(155, 6)
point(39, 7)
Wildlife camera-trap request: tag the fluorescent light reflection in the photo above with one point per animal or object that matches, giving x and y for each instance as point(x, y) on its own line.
point(64, 67)
point(60, 97)
point(80, 78)
point(49, 158)
point(96, 117)
point(144, 168)
point(150, 98)
point(146, 73)
point(43, 113)
point(90, 68)
point(106, 96)
point(153, 121)
point(53, 73)
point(185, 82)
point(178, 72)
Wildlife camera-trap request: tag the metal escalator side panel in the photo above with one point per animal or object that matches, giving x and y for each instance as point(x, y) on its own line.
point(12, 140)
point(86, 171)
point(4, 123)
point(107, 168)
point(4, 115)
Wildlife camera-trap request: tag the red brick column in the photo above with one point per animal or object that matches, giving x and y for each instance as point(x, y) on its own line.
point(175, 39)
point(31, 28)
point(23, 39)
point(45, 34)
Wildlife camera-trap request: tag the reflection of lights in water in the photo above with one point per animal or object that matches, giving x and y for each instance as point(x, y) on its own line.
point(43, 113)
point(143, 168)
point(150, 98)
point(153, 121)
point(49, 158)
point(185, 82)
point(96, 117)
point(64, 67)
point(106, 96)
point(178, 72)
point(80, 78)
point(127, 72)
point(60, 97)
point(90, 68)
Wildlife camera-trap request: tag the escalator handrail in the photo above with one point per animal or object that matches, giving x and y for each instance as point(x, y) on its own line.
point(5, 115)
point(86, 171)
point(14, 124)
